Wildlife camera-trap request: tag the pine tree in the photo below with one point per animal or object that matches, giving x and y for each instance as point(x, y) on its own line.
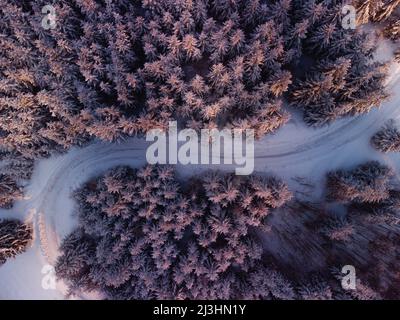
point(368, 10)
point(342, 80)
point(338, 229)
point(316, 289)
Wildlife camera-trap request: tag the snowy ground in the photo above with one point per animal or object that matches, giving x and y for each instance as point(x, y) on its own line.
point(294, 151)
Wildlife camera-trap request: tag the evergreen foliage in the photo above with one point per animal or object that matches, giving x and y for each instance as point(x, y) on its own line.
point(15, 237)
point(142, 235)
point(368, 182)
point(387, 139)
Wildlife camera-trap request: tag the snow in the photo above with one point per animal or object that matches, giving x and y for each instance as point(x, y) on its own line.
point(293, 151)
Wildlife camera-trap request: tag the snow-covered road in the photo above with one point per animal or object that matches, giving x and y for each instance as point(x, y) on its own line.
point(294, 151)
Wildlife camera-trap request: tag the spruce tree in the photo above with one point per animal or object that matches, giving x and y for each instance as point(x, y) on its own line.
point(387, 139)
point(15, 237)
